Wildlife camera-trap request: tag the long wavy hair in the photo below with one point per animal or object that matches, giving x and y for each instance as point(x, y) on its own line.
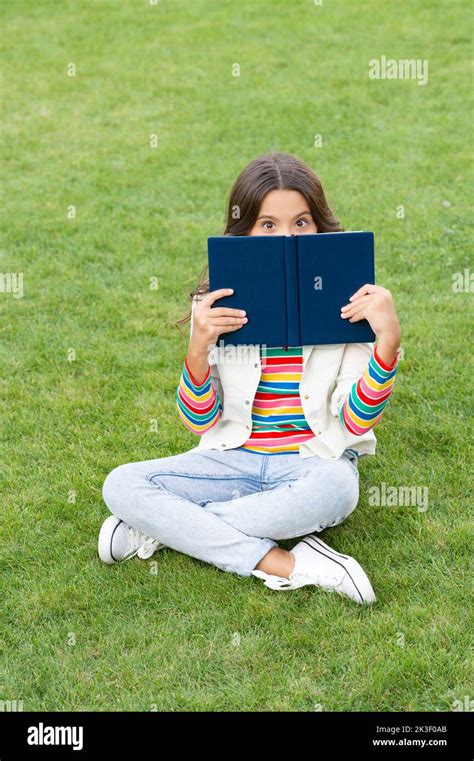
point(272, 171)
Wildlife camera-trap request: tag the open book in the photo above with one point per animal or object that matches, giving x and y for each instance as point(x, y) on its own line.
point(292, 287)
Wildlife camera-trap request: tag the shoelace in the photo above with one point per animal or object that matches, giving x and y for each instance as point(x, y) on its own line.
point(281, 582)
point(146, 544)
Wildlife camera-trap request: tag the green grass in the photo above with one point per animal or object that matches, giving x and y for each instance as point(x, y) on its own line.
point(78, 635)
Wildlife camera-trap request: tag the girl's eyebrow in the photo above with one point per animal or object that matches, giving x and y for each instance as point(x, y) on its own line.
point(269, 216)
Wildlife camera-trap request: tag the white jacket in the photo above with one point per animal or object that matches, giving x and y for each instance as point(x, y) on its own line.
point(329, 371)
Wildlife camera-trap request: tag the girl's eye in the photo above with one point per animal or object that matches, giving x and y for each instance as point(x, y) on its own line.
point(267, 223)
point(305, 221)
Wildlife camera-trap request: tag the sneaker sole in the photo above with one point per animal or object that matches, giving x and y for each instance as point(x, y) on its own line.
point(106, 535)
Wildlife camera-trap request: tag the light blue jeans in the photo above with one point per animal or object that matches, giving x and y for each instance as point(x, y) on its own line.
point(227, 507)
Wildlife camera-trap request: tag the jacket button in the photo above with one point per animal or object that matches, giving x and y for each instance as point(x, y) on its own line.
point(248, 427)
point(256, 364)
point(223, 445)
point(247, 401)
point(306, 396)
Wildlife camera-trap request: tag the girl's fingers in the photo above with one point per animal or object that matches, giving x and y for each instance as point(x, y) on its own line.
point(227, 312)
point(227, 328)
point(357, 302)
point(367, 288)
point(212, 296)
point(359, 315)
point(229, 320)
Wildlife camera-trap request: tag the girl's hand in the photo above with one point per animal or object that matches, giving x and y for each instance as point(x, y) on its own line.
point(208, 324)
point(375, 304)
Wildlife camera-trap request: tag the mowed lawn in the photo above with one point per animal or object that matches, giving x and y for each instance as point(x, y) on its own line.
point(91, 359)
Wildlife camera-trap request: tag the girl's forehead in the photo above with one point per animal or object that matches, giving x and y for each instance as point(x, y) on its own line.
point(284, 202)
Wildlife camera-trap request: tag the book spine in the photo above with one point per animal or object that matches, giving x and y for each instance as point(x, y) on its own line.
point(292, 291)
point(297, 293)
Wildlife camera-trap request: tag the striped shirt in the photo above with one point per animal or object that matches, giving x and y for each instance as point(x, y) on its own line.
point(278, 422)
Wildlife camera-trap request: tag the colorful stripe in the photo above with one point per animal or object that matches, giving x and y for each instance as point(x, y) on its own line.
point(278, 422)
point(364, 405)
point(198, 404)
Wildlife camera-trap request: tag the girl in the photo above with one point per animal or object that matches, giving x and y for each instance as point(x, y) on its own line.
point(280, 432)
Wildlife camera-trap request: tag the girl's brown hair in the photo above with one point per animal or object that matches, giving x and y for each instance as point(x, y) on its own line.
point(273, 171)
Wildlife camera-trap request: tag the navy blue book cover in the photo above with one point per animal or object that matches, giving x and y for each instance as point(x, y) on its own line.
point(292, 287)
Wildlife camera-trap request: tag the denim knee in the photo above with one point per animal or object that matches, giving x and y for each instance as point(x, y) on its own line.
point(350, 503)
point(113, 484)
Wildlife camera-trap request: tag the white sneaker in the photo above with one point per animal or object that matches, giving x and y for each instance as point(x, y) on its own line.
point(316, 563)
point(119, 541)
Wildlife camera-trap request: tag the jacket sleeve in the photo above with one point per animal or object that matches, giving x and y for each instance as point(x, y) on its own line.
point(199, 401)
point(363, 387)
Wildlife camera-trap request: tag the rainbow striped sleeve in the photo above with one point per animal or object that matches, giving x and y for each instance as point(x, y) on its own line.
point(368, 397)
point(199, 405)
